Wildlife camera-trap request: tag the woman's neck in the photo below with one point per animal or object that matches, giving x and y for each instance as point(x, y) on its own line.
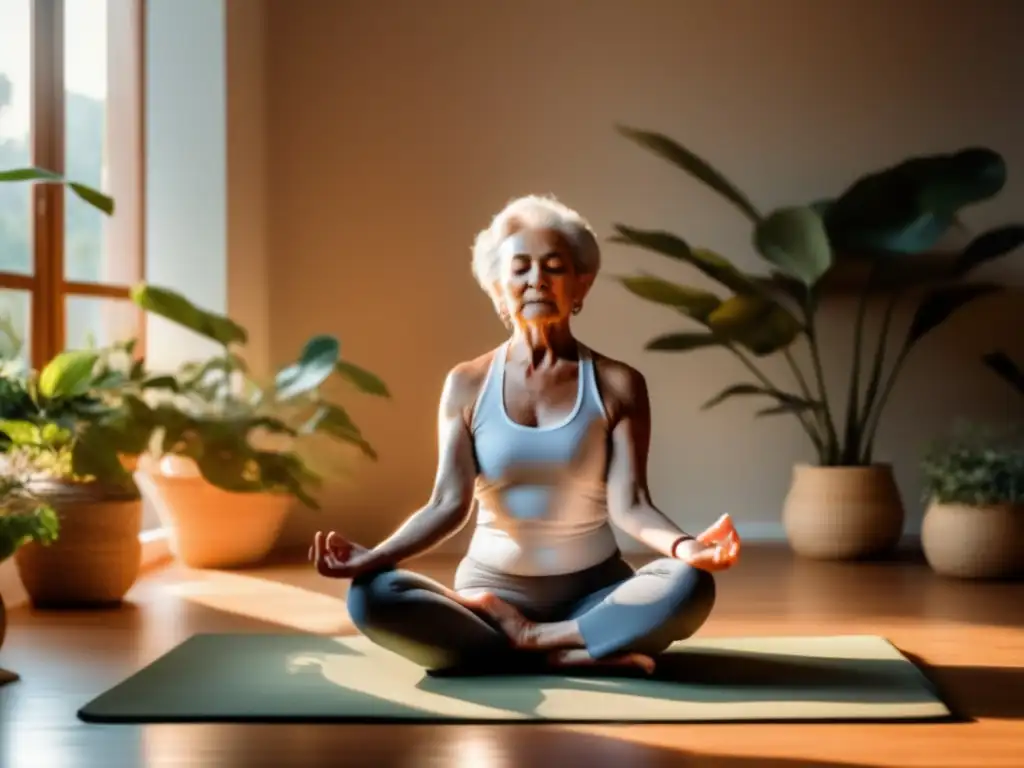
point(541, 346)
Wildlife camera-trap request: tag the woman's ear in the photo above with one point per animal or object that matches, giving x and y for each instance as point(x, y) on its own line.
point(583, 285)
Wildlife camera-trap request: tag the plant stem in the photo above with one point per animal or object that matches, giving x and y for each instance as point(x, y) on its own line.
point(851, 447)
point(876, 417)
point(815, 440)
point(805, 390)
point(876, 375)
point(812, 340)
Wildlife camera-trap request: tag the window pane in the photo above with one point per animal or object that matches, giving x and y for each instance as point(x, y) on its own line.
point(101, 140)
point(15, 120)
point(94, 321)
point(15, 324)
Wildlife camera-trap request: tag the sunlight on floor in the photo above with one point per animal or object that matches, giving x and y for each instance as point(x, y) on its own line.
point(264, 600)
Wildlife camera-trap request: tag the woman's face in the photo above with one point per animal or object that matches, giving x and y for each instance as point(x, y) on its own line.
point(537, 279)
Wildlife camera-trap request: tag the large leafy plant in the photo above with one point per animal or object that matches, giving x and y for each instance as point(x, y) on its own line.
point(976, 466)
point(882, 218)
point(243, 434)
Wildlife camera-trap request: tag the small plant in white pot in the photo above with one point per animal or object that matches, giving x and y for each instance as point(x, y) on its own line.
point(973, 526)
point(846, 504)
point(224, 467)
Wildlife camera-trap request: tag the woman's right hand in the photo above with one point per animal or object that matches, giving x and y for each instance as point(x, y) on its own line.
point(717, 548)
point(337, 558)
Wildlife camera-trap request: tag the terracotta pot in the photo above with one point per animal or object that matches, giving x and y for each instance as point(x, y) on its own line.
point(843, 513)
point(974, 542)
point(97, 556)
point(209, 527)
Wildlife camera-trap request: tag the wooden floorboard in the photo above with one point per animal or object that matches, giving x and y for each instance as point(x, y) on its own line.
point(969, 637)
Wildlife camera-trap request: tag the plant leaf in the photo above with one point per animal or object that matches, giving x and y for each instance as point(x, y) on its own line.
point(781, 408)
point(68, 374)
point(938, 305)
point(989, 246)
point(736, 390)
point(694, 302)
point(759, 324)
point(908, 207)
point(21, 432)
point(333, 420)
point(713, 265)
point(315, 364)
point(1000, 363)
point(364, 381)
point(670, 150)
point(683, 342)
point(173, 306)
point(795, 240)
point(91, 196)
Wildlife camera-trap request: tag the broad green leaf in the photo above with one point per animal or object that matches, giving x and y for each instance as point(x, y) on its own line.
point(21, 432)
point(989, 246)
point(163, 381)
point(364, 381)
point(795, 240)
point(315, 364)
point(907, 208)
point(29, 174)
point(95, 454)
point(173, 306)
point(694, 302)
point(940, 304)
point(68, 374)
point(713, 265)
point(737, 390)
point(1000, 363)
point(759, 324)
point(334, 421)
point(670, 150)
point(683, 342)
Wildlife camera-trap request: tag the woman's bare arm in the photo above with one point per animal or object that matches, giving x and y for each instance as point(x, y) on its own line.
point(451, 501)
point(629, 500)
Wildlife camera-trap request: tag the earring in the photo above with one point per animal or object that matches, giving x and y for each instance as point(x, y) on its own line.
point(577, 307)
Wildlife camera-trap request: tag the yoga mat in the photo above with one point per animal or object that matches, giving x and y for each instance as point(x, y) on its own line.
point(311, 678)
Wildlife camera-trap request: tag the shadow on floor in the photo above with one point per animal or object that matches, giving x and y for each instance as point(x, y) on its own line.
point(977, 692)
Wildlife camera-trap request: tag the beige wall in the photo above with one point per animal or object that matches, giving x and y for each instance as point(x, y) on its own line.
point(395, 129)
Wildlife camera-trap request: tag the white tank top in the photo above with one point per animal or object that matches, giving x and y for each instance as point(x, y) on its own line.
point(540, 491)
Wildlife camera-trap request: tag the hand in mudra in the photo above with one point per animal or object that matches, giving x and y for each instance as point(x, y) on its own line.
point(336, 557)
point(717, 548)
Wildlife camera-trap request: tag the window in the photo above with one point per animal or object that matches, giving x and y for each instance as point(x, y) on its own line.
point(71, 102)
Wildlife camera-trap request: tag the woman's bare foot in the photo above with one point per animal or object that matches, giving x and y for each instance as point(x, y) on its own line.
point(580, 657)
point(525, 634)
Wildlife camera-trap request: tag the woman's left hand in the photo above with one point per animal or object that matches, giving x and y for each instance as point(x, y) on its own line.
point(717, 548)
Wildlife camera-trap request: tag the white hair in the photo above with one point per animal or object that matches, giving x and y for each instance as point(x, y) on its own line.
point(528, 212)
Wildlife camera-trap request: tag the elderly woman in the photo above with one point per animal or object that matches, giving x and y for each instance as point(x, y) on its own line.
point(548, 439)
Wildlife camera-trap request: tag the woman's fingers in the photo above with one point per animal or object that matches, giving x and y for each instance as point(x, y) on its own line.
point(717, 530)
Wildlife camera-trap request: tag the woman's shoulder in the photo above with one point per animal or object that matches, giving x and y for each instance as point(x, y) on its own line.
point(621, 385)
point(466, 379)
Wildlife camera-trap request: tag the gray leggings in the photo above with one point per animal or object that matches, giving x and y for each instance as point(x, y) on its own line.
point(617, 610)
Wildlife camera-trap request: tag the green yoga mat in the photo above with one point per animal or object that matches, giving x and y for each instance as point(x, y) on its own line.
point(311, 678)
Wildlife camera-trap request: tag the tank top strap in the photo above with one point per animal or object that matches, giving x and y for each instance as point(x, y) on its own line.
point(492, 387)
point(591, 389)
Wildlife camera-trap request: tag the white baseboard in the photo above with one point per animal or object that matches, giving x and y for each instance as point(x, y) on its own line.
point(156, 549)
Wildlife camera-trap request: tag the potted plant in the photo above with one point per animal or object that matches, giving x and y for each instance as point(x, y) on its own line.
point(69, 432)
point(225, 463)
point(24, 518)
point(973, 526)
point(846, 504)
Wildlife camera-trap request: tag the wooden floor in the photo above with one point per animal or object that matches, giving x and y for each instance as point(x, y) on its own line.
point(970, 636)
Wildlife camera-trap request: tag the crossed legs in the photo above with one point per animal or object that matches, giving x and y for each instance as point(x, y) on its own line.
point(626, 623)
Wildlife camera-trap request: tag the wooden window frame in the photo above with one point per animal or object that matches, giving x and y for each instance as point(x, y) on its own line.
point(47, 286)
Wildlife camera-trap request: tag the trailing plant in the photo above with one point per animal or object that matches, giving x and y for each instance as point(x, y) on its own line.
point(23, 517)
point(1003, 366)
point(976, 466)
point(243, 434)
point(882, 217)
